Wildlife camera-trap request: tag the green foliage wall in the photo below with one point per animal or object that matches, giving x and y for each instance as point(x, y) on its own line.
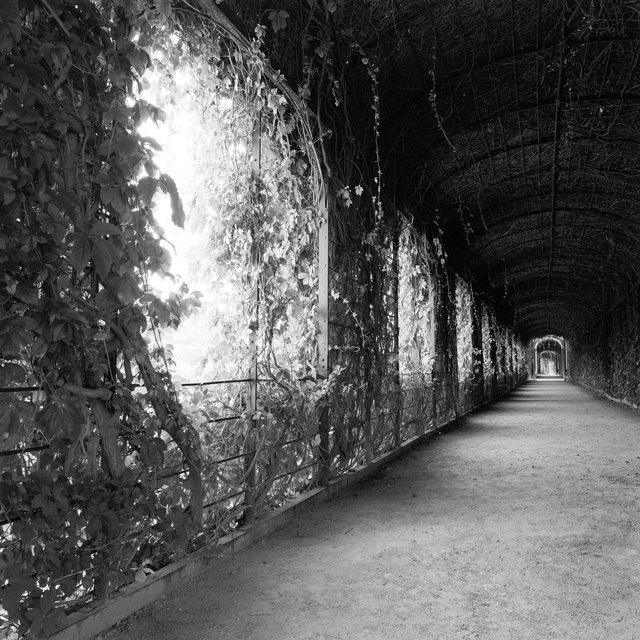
point(77, 246)
point(107, 471)
point(607, 358)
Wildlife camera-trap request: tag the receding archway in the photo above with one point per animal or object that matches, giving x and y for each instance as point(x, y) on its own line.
point(549, 357)
point(549, 363)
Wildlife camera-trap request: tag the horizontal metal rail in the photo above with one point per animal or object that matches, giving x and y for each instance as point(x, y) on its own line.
point(239, 493)
point(224, 419)
point(29, 389)
point(204, 384)
point(290, 473)
point(15, 452)
point(224, 499)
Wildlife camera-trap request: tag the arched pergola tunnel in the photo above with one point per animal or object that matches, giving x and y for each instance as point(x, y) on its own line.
point(514, 125)
point(521, 135)
point(508, 132)
point(467, 174)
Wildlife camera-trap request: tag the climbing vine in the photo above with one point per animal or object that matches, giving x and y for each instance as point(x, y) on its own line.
point(78, 244)
point(464, 311)
point(253, 208)
point(109, 471)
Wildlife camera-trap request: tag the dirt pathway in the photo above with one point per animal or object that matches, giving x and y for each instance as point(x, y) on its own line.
point(521, 524)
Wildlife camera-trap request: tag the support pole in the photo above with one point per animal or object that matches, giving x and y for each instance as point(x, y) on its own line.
point(323, 366)
point(478, 353)
point(445, 364)
point(398, 397)
point(512, 361)
point(434, 296)
point(493, 354)
point(250, 460)
point(451, 353)
point(439, 346)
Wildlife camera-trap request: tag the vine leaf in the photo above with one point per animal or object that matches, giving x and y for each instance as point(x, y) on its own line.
point(9, 25)
point(11, 372)
point(146, 189)
point(26, 294)
point(104, 229)
point(278, 20)
point(80, 251)
point(67, 418)
point(6, 171)
point(139, 59)
point(104, 254)
point(12, 595)
point(164, 8)
point(9, 420)
point(125, 290)
point(177, 210)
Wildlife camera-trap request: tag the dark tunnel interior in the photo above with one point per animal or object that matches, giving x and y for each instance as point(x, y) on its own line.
point(513, 127)
point(518, 123)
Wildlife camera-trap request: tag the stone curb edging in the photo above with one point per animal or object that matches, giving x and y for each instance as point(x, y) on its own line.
point(89, 622)
point(603, 394)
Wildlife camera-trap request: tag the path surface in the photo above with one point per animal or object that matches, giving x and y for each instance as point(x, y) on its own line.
point(523, 523)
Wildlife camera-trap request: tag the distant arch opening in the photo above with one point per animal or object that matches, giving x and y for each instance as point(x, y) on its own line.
point(549, 357)
point(549, 363)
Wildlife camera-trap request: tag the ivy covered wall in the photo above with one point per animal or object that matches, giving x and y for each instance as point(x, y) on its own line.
point(109, 470)
point(607, 357)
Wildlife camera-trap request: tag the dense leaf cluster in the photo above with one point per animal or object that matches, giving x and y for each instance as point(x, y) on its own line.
point(77, 243)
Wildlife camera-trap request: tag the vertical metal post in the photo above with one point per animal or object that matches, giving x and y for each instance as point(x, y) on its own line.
point(512, 361)
point(452, 346)
point(252, 407)
point(250, 459)
point(440, 338)
point(324, 472)
point(493, 354)
point(561, 363)
point(478, 352)
point(436, 312)
point(396, 337)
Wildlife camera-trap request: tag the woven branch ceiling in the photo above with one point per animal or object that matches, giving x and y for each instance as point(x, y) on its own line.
point(515, 122)
point(513, 126)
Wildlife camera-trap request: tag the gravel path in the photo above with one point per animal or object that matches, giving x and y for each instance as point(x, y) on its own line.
point(523, 523)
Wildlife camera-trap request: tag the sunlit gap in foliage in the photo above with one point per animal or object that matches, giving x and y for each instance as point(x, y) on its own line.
point(238, 155)
point(203, 142)
point(250, 221)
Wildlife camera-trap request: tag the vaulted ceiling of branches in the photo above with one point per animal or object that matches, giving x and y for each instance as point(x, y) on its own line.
point(513, 126)
point(518, 121)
